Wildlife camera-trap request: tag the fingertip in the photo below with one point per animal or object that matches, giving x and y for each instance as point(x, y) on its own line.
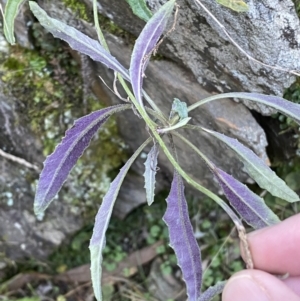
point(243, 287)
point(275, 248)
point(255, 285)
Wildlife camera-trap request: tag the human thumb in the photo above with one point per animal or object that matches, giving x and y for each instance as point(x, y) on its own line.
point(255, 285)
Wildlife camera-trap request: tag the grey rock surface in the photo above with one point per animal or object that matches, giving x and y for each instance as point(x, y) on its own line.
point(269, 32)
point(22, 234)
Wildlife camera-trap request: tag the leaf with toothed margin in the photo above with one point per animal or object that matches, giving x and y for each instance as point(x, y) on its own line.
point(182, 238)
point(283, 106)
point(77, 40)
point(145, 44)
point(212, 291)
point(97, 242)
point(59, 164)
point(265, 177)
point(150, 172)
point(250, 206)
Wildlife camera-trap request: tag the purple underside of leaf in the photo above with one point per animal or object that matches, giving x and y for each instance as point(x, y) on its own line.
point(145, 44)
point(78, 41)
point(258, 170)
point(250, 206)
point(212, 291)
point(150, 172)
point(97, 242)
point(59, 164)
point(182, 238)
point(285, 107)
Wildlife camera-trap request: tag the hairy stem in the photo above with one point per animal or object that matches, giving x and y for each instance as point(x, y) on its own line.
point(153, 127)
point(123, 83)
point(240, 228)
point(228, 210)
point(154, 106)
point(97, 26)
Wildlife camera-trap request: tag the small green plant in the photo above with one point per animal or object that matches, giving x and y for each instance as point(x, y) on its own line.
point(250, 207)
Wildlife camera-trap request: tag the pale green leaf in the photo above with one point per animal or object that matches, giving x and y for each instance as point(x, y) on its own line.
point(140, 9)
point(150, 172)
point(265, 177)
point(10, 13)
point(179, 107)
point(97, 242)
point(236, 5)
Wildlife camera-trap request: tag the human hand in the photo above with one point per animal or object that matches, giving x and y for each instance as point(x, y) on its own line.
point(275, 250)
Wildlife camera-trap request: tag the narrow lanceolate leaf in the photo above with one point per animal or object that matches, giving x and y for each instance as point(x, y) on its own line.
point(150, 172)
point(145, 44)
point(59, 164)
point(212, 291)
point(140, 9)
point(182, 238)
point(77, 40)
point(265, 177)
point(285, 107)
point(250, 206)
point(10, 13)
point(97, 243)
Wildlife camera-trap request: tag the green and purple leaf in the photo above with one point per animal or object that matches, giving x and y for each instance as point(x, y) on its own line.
point(283, 106)
point(212, 291)
point(59, 164)
point(265, 177)
point(140, 9)
point(145, 44)
point(250, 206)
point(150, 172)
point(10, 14)
point(97, 242)
point(77, 40)
point(182, 238)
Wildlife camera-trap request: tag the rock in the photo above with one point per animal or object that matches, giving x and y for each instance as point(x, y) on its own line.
point(164, 286)
point(22, 234)
point(269, 32)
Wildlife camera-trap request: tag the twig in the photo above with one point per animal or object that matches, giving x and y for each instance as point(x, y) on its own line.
point(245, 246)
point(18, 160)
point(295, 72)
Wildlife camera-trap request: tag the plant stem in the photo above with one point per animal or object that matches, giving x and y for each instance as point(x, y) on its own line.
point(174, 162)
point(98, 29)
point(154, 106)
point(208, 99)
point(153, 127)
point(228, 210)
point(123, 83)
point(211, 98)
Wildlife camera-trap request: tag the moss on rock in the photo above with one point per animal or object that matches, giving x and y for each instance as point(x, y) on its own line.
point(47, 83)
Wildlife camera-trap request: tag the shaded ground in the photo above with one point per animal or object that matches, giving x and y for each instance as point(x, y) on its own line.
point(149, 271)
